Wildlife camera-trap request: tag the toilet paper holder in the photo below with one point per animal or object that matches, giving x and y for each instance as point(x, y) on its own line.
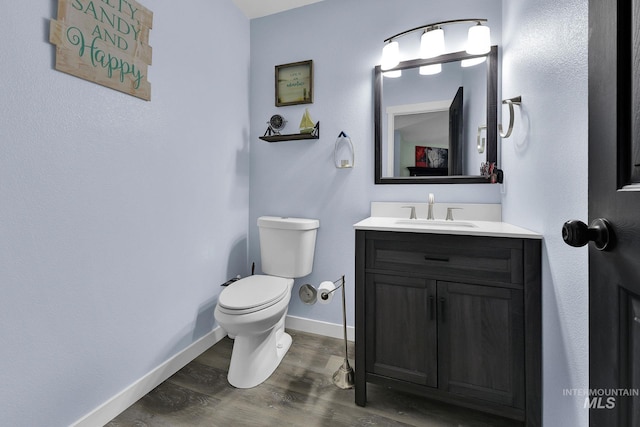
point(344, 376)
point(310, 295)
point(325, 294)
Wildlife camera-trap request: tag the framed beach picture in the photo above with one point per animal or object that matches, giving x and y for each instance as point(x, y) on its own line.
point(294, 83)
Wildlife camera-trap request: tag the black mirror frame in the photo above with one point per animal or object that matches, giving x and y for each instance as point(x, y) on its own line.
point(492, 119)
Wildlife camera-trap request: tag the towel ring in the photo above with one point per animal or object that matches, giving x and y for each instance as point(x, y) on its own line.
point(510, 102)
point(481, 142)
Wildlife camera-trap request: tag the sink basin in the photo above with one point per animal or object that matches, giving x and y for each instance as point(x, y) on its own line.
point(435, 223)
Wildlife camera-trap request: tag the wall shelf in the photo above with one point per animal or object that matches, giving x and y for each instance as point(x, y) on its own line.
point(315, 134)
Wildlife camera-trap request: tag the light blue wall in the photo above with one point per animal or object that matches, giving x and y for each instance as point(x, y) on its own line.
point(118, 217)
point(545, 60)
point(297, 178)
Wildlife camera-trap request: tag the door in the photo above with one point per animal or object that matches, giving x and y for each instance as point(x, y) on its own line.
point(481, 342)
point(456, 134)
point(614, 194)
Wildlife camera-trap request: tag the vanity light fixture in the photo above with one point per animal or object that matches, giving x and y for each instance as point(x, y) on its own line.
point(479, 40)
point(393, 73)
point(473, 61)
point(391, 58)
point(429, 70)
point(390, 55)
point(432, 45)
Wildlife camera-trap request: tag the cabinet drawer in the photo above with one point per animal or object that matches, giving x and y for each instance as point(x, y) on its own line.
point(476, 259)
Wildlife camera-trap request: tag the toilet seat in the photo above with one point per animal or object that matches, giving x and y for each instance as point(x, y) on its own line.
point(253, 293)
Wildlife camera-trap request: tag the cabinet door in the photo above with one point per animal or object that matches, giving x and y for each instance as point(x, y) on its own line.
point(481, 342)
point(401, 328)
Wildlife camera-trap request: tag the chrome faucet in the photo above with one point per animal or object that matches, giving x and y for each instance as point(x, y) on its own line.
point(432, 200)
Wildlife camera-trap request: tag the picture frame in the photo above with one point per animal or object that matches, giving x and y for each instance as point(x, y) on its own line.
point(294, 83)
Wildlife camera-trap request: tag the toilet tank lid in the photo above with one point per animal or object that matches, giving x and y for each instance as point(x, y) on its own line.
point(286, 223)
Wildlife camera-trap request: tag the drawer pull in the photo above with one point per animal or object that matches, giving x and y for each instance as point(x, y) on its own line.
point(436, 258)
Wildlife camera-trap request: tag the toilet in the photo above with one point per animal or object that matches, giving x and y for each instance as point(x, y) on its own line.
point(252, 310)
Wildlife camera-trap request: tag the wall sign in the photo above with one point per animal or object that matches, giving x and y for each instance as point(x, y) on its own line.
point(294, 83)
point(106, 42)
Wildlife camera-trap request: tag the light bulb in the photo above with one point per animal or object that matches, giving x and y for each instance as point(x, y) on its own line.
point(429, 70)
point(392, 74)
point(432, 43)
point(390, 55)
point(479, 40)
point(473, 61)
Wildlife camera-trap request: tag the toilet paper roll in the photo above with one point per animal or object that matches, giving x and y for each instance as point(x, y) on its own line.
point(323, 290)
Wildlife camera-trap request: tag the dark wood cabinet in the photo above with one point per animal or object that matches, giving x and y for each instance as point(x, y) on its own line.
point(401, 327)
point(481, 342)
point(454, 318)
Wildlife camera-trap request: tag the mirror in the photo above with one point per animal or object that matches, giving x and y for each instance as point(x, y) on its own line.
point(436, 128)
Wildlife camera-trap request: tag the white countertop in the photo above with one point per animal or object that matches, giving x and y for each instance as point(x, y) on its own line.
point(464, 228)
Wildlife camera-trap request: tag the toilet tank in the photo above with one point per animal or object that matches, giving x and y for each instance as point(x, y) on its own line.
point(287, 245)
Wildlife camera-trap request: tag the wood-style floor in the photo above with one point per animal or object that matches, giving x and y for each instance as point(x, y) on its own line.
point(300, 393)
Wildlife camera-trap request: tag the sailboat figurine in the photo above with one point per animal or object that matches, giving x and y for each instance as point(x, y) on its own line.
point(306, 124)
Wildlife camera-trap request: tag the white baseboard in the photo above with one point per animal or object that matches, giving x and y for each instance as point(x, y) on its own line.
point(318, 327)
point(118, 403)
point(114, 406)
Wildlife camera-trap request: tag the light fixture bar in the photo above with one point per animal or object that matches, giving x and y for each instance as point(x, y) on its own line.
point(436, 24)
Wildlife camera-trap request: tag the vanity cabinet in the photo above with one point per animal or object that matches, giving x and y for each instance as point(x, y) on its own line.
point(451, 317)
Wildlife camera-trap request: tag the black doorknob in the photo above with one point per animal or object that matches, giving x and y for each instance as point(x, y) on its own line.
point(576, 233)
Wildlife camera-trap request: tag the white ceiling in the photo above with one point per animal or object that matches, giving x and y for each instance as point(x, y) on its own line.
point(257, 8)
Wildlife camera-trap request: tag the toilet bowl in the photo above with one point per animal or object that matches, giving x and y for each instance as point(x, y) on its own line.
point(252, 310)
